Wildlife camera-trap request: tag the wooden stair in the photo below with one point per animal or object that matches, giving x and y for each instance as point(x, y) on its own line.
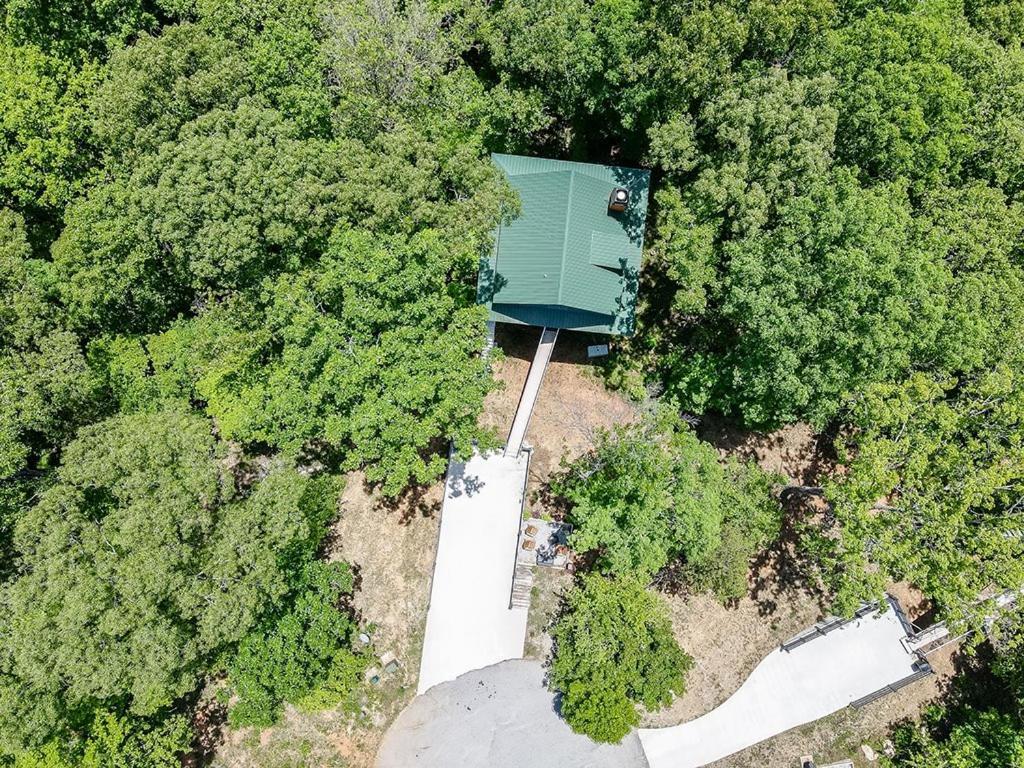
point(522, 587)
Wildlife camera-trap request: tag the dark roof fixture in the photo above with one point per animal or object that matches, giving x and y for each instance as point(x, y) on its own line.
point(618, 199)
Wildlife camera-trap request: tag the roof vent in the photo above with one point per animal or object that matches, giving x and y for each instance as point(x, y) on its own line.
point(618, 200)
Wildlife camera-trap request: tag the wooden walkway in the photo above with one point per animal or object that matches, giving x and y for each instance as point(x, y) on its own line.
point(530, 391)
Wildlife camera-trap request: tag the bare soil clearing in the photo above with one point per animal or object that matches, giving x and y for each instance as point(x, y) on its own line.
point(795, 451)
point(549, 586)
point(572, 406)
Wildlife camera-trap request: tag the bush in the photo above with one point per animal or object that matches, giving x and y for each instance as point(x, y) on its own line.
point(116, 741)
point(303, 656)
point(653, 492)
point(614, 649)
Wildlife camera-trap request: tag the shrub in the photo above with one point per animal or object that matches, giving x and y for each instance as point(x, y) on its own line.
point(614, 649)
point(303, 655)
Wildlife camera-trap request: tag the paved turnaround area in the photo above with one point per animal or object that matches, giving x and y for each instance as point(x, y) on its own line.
point(499, 717)
point(787, 689)
point(469, 623)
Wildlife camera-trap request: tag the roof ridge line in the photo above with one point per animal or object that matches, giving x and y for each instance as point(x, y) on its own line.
point(565, 234)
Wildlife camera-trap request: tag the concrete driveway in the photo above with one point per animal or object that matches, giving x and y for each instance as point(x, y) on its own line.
point(787, 689)
point(469, 622)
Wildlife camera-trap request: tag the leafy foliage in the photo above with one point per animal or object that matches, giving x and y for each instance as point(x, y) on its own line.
point(44, 149)
point(981, 738)
point(614, 649)
point(979, 724)
point(118, 742)
point(167, 565)
point(654, 492)
point(303, 656)
point(796, 257)
point(230, 244)
point(47, 389)
point(933, 492)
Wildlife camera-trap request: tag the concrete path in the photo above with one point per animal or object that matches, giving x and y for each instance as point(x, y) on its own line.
point(469, 622)
point(504, 717)
point(787, 689)
point(499, 717)
point(530, 391)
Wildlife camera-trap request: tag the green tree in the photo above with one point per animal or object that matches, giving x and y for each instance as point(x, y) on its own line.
point(75, 30)
point(47, 389)
point(151, 89)
point(933, 492)
point(651, 493)
point(239, 197)
point(801, 284)
point(46, 392)
point(906, 100)
point(369, 358)
point(116, 741)
point(979, 738)
point(143, 560)
point(301, 652)
point(614, 649)
point(976, 232)
point(44, 147)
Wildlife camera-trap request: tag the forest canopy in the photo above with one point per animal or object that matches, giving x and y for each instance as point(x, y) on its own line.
point(238, 248)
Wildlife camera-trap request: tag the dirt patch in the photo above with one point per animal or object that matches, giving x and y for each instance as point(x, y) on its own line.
point(572, 406)
point(549, 586)
point(916, 606)
point(298, 740)
point(795, 451)
point(391, 546)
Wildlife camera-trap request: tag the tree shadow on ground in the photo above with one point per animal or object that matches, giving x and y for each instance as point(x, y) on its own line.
point(974, 684)
point(554, 505)
point(806, 456)
point(412, 503)
point(520, 342)
point(208, 718)
point(782, 571)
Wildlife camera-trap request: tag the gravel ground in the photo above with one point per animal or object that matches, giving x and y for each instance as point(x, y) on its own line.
point(498, 717)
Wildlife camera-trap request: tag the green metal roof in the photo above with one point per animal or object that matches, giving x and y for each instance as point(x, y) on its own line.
point(566, 261)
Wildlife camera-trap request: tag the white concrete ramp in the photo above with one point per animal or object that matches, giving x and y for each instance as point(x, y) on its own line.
point(469, 622)
point(790, 688)
point(530, 391)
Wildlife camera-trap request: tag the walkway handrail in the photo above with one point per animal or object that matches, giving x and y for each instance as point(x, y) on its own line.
point(822, 628)
point(924, 669)
point(519, 535)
